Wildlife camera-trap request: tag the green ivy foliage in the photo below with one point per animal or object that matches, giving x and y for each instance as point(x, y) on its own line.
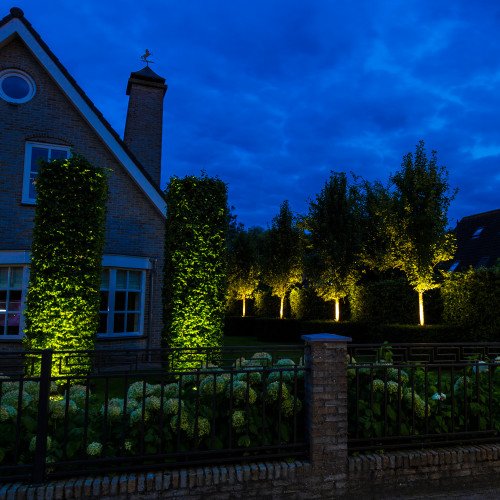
point(195, 268)
point(471, 299)
point(62, 306)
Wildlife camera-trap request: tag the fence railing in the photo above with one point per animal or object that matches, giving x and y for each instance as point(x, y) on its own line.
point(65, 413)
point(420, 395)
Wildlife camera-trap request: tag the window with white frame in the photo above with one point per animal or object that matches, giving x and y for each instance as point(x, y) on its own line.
point(35, 153)
point(122, 302)
point(13, 280)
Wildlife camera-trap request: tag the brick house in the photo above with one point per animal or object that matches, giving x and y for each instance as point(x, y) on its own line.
point(45, 114)
point(478, 241)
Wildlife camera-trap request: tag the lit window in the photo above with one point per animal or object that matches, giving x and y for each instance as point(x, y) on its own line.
point(16, 86)
point(122, 302)
point(35, 153)
point(454, 265)
point(12, 290)
point(477, 232)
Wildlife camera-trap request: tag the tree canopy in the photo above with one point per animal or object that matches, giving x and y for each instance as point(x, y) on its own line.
point(335, 228)
point(417, 220)
point(282, 254)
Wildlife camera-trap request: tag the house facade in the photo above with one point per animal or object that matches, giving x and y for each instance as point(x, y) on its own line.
point(478, 241)
point(44, 114)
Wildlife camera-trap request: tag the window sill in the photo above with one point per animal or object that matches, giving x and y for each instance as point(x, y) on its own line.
point(120, 336)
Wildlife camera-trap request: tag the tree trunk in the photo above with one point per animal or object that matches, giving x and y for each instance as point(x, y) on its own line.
point(282, 307)
point(337, 309)
point(421, 308)
point(244, 306)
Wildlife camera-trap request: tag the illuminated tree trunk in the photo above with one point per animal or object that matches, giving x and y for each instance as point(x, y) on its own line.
point(244, 306)
point(282, 306)
point(337, 309)
point(421, 307)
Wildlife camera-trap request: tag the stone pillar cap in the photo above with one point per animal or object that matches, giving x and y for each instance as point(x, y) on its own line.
point(325, 337)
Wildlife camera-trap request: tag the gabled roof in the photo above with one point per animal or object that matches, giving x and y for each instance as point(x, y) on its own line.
point(15, 24)
point(478, 240)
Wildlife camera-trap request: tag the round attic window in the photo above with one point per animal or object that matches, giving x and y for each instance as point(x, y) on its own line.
point(16, 86)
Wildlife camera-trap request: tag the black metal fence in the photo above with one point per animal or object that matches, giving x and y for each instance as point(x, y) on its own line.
point(64, 413)
point(413, 395)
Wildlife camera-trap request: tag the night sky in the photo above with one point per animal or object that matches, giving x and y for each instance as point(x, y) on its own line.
point(272, 95)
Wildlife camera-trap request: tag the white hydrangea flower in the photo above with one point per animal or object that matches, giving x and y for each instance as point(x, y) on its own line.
point(94, 449)
point(202, 430)
point(240, 390)
point(393, 388)
point(253, 377)
point(264, 358)
point(137, 416)
point(184, 422)
point(210, 385)
point(171, 390)
point(7, 413)
point(137, 390)
point(12, 398)
point(171, 406)
point(238, 419)
point(32, 388)
point(57, 408)
point(114, 408)
point(285, 376)
point(438, 396)
point(273, 391)
point(378, 385)
point(239, 363)
point(129, 445)
point(394, 374)
point(284, 362)
point(153, 403)
point(10, 387)
point(287, 406)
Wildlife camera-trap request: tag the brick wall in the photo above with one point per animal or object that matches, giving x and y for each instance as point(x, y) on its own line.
point(133, 227)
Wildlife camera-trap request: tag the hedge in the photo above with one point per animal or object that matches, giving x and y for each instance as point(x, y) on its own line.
point(62, 306)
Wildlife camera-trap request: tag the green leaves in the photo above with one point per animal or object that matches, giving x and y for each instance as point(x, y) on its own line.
point(195, 270)
point(68, 241)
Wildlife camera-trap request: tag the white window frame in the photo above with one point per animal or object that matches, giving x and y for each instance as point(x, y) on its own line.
point(24, 288)
point(27, 165)
point(111, 304)
point(24, 76)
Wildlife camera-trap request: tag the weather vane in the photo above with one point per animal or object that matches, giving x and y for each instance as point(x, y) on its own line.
point(144, 57)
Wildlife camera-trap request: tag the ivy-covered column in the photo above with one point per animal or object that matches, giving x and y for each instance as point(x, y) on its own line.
point(326, 400)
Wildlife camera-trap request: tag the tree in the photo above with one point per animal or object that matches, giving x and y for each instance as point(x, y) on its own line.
point(62, 306)
point(336, 236)
point(417, 220)
point(282, 254)
point(243, 269)
point(195, 269)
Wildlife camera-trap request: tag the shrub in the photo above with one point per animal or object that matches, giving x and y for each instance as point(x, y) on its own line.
point(195, 262)
point(385, 301)
point(471, 300)
point(62, 304)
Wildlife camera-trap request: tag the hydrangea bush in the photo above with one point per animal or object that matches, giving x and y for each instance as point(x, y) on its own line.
point(258, 404)
point(407, 399)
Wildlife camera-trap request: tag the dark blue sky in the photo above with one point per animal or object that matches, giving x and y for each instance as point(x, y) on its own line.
point(272, 95)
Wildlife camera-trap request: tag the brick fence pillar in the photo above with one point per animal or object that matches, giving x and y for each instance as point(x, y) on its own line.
point(326, 400)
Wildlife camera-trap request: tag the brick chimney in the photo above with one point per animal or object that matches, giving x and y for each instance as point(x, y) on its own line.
point(143, 128)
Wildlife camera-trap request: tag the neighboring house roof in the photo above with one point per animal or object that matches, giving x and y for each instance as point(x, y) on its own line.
point(478, 241)
point(16, 24)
